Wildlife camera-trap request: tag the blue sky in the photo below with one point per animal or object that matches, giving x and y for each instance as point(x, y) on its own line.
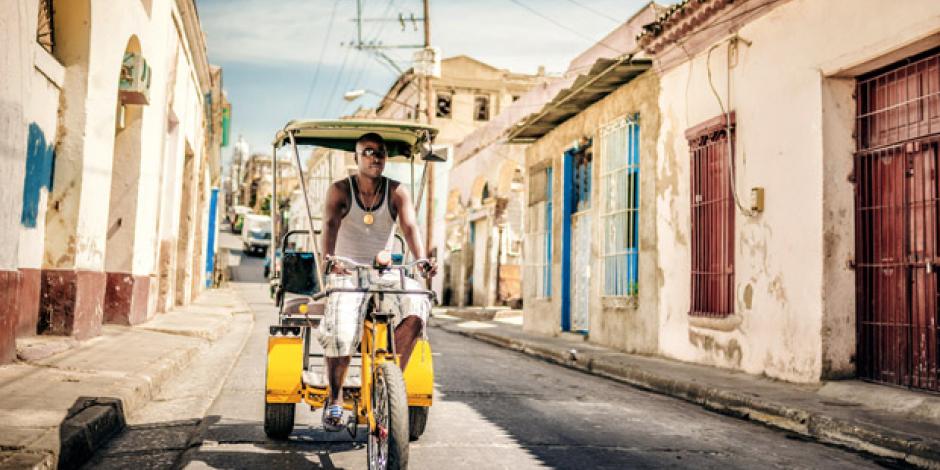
point(276, 54)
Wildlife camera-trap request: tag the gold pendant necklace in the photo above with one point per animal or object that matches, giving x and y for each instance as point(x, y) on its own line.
point(368, 218)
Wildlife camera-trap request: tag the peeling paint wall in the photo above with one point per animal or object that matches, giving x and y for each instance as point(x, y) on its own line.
point(40, 158)
point(791, 92)
point(14, 67)
point(29, 94)
point(626, 323)
point(29, 129)
point(75, 190)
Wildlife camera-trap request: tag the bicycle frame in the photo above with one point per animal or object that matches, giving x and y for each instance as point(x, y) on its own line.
point(378, 346)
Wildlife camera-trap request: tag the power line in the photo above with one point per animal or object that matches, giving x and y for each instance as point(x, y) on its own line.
point(316, 72)
point(379, 29)
point(339, 76)
point(565, 27)
point(596, 12)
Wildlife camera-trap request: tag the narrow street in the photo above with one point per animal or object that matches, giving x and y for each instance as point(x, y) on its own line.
point(493, 409)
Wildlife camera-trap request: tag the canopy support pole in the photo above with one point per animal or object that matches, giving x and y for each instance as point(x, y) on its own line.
point(313, 232)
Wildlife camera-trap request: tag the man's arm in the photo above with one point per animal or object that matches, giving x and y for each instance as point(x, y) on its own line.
point(334, 209)
point(408, 222)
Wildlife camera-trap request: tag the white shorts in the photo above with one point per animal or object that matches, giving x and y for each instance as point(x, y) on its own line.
point(341, 327)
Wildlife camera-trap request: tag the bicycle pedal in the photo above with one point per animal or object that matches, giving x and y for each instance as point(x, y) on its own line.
point(352, 426)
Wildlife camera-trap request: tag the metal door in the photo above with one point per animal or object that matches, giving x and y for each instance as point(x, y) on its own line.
point(580, 271)
point(898, 129)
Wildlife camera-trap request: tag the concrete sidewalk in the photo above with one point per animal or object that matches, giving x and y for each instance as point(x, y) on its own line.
point(893, 423)
point(63, 399)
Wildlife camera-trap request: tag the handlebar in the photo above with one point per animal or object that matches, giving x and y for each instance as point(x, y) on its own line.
point(354, 264)
point(357, 265)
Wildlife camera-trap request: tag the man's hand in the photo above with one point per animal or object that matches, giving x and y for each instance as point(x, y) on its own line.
point(429, 268)
point(333, 266)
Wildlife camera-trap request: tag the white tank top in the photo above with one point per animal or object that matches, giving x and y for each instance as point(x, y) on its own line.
point(361, 242)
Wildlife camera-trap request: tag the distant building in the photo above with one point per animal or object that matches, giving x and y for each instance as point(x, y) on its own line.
point(258, 180)
point(240, 155)
point(467, 96)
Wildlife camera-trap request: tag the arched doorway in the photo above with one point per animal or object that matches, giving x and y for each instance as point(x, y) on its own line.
point(125, 297)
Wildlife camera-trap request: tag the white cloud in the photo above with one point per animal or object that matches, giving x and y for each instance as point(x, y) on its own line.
point(288, 31)
point(498, 32)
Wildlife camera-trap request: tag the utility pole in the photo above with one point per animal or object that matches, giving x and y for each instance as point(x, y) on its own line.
point(428, 166)
point(423, 86)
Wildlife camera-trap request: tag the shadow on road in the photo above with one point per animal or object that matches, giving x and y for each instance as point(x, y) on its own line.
point(226, 443)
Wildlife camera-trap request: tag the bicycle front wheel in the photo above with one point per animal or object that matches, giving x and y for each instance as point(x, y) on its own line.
point(388, 443)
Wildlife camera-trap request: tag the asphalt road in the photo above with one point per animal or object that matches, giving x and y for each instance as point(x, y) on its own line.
point(493, 409)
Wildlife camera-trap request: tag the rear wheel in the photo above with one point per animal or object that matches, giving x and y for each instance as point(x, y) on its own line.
point(278, 420)
point(417, 420)
point(388, 444)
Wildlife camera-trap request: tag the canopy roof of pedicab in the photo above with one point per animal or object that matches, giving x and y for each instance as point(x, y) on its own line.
point(342, 134)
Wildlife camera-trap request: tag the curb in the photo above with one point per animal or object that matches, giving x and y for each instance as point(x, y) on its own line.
point(861, 437)
point(90, 423)
point(484, 314)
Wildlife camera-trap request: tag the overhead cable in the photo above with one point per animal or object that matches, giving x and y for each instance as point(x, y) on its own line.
point(316, 72)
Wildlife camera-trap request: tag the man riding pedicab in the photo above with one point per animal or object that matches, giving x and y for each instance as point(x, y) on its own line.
point(360, 216)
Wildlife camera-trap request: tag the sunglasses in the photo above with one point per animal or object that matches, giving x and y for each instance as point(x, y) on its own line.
point(373, 153)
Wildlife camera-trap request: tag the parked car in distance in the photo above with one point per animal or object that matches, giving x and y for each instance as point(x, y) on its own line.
point(256, 233)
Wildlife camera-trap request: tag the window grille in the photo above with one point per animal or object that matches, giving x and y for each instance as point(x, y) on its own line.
point(712, 220)
point(481, 108)
point(44, 31)
point(620, 177)
point(899, 105)
point(538, 244)
point(897, 220)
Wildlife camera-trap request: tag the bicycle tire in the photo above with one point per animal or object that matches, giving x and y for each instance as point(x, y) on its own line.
point(397, 400)
point(417, 421)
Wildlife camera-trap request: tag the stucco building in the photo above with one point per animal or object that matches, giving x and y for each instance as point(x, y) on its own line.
point(111, 127)
point(797, 186)
point(258, 181)
point(590, 245)
point(485, 205)
point(467, 96)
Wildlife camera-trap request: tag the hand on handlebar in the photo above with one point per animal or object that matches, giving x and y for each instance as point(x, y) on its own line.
point(428, 268)
point(335, 266)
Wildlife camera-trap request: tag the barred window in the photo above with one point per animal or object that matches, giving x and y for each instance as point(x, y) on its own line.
point(538, 243)
point(712, 218)
point(620, 177)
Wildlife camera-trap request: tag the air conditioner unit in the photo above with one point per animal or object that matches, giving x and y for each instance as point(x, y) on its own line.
point(134, 87)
